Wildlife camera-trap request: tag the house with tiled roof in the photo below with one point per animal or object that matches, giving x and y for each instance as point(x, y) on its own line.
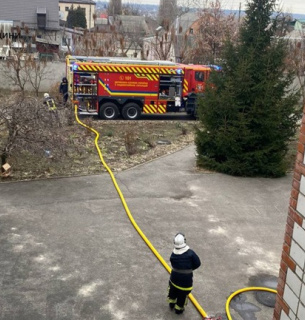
point(184, 27)
point(297, 34)
point(127, 30)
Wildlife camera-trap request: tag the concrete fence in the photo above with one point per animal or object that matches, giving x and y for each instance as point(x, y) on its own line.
point(53, 74)
point(55, 71)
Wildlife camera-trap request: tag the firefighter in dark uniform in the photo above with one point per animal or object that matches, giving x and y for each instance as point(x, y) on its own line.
point(63, 89)
point(184, 261)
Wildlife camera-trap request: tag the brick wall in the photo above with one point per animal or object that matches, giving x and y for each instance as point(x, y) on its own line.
point(290, 300)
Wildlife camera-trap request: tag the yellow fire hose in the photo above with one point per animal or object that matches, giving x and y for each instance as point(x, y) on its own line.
point(241, 291)
point(152, 248)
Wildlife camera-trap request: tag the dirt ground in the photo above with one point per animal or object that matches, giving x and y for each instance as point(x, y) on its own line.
point(124, 144)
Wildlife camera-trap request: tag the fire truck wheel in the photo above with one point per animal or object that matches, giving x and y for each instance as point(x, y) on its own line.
point(109, 111)
point(131, 111)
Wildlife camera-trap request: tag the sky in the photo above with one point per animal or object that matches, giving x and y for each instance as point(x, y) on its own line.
point(290, 6)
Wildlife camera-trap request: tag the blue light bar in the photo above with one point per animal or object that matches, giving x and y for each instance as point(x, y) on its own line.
point(215, 67)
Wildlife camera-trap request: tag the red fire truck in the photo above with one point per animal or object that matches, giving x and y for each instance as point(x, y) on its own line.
point(117, 86)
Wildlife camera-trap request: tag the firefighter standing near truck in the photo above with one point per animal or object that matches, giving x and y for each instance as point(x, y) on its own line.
point(184, 261)
point(63, 89)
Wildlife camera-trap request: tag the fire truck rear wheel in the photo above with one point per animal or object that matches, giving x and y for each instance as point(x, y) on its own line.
point(131, 111)
point(109, 111)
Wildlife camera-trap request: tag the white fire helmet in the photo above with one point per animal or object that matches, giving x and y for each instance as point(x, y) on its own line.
point(179, 241)
point(46, 95)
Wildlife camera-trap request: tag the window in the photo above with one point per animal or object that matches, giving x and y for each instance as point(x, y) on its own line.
point(66, 8)
point(41, 18)
point(199, 76)
point(65, 41)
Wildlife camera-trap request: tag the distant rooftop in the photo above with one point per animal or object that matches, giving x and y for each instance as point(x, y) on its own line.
point(78, 1)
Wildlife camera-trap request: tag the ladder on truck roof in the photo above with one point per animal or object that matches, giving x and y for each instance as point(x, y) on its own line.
point(116, 60)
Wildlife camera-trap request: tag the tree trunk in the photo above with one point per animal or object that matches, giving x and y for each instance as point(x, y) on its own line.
point(3, 159)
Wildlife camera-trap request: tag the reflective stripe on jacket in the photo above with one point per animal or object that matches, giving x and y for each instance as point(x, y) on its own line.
point(51, 104)
point(186, 261)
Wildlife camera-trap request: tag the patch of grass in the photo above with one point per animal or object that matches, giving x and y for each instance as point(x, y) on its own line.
point(109, 133)
point(184, 131)
point(150, 142)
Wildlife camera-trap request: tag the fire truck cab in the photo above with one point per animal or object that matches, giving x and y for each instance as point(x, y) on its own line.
point(113, 87)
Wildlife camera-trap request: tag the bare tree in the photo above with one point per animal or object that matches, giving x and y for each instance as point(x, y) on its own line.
point(162, 44)
point(295, 37)
point(15, 70)
point(168, 11)
point(27, 124)
point(115, 7)
point(129, 9)
point(22, 68)
point(110, 40)
point(182, 43)
point(36, 71)
point(296, 60)
point(283, 23)
point(96, 43)
point(210, 33)
point(130, 34)
point(18, 117)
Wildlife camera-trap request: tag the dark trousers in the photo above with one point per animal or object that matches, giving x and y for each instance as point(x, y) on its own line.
point(55, 117)
point(65, 97)
point(177, 298)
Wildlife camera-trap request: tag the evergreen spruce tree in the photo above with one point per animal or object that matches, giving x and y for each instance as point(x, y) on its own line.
point(76, 18)
point(249, 113)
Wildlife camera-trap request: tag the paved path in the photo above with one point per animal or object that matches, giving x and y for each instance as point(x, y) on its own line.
point(68, 250)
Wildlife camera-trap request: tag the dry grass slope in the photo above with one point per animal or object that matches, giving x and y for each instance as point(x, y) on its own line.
point(124, 144)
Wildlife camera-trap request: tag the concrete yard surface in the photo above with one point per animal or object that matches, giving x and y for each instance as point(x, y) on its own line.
point(68, 250)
